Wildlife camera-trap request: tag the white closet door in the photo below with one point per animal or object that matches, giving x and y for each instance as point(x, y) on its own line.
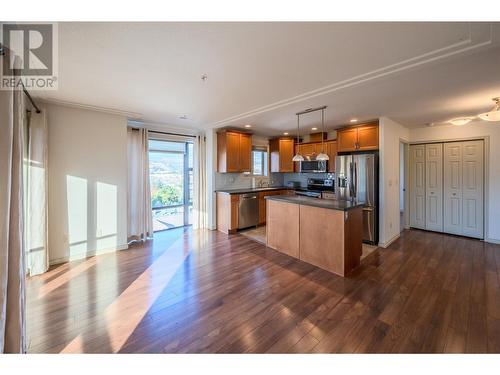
point(452, 189)
point(417, 186)
point(434, 187)
point(473, 185)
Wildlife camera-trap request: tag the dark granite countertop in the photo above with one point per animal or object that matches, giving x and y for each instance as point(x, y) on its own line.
point(250, 190)
point(332, 204)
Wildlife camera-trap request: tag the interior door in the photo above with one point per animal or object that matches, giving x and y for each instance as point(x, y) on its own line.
point(452, 188)
point(473, 186)
point(417, 186)
point(434, 187)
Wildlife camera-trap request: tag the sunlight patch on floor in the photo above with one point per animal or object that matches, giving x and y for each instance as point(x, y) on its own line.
point(137, 298)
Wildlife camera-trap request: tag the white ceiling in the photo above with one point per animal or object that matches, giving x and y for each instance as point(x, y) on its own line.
point(262, 73)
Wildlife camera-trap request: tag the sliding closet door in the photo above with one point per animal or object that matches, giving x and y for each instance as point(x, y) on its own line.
point(434, 187)
point(473, 185)
point(417, 186)
point(452, 192)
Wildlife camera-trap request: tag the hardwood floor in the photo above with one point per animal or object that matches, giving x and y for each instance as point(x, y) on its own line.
point(205, 292)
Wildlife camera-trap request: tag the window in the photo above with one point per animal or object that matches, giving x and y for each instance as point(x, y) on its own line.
point(259, 161)
point(171, 179)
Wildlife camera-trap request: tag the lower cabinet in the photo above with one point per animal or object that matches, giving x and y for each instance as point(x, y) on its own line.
point(228, 205)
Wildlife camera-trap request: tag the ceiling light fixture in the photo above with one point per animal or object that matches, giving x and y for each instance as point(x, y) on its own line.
point(183, 117)
point(285, 133)
point(248, 126)
point(494, 114)
point(298, 156)
point(459, 121)
point(322, 156)
point(314, 129)
point(354, 120)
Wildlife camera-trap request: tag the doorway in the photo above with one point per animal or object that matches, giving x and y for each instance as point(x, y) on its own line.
point(171, 181)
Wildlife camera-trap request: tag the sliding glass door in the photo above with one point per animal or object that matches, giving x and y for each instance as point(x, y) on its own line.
point(171, 179)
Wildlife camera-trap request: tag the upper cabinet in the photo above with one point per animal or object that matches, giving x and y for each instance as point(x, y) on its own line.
point(359, 138)
point(234, 152)
point(331, 151)
point(281, 152)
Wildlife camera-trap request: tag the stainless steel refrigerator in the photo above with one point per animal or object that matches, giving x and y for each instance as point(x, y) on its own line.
point(357, 180)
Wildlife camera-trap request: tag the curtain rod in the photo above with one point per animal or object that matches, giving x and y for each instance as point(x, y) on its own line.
point(2, 53)
point(31, 99)
point(167, 133)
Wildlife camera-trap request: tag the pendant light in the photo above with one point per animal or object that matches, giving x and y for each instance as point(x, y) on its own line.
point(322, 156)
point(494, 114)
point(298, 156)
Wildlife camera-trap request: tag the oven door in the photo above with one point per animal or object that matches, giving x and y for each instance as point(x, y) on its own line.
point(313, 166)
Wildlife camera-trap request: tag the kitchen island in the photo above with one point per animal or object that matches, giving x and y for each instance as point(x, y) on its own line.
point(323, 232)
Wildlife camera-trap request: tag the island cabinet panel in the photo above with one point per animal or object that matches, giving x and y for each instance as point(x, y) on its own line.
point(328, 238)
point(318, 226)
point(353, 230)
point(283, 227)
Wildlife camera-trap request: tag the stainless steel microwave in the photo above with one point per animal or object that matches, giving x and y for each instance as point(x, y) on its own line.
point(313, 166)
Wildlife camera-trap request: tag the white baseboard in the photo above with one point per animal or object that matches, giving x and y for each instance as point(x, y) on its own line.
point(492, 240)
point(388, 243)
point(88, 254)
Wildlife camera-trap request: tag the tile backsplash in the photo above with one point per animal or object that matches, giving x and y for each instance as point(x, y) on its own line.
point(241, 180)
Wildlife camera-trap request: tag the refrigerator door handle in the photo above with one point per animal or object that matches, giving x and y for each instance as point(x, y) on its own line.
point(351, 180)
point(355, 179)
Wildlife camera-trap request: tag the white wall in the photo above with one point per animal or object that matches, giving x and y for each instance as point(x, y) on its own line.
point(390, 134)
point(492, 163)
point(211, 167)
point(87, 183)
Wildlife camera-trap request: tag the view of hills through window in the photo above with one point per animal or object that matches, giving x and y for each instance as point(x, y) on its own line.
point(171, 180)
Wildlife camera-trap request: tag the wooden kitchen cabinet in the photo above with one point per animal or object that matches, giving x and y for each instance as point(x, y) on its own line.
point(227, 212)
point(308, 149)
point(359, 138)
point(245, 152)
point(281, 152)
point(368, 137)
point(331, 151)
point(262, 202)
point(234, 152)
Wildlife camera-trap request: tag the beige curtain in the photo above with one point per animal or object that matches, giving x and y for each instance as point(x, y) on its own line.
point(36, 194)
point(12, 265)
point(140, 216)
point(200, 215)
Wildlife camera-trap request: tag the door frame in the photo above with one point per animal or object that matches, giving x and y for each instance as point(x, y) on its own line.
point(486, 171)
point(406, 169)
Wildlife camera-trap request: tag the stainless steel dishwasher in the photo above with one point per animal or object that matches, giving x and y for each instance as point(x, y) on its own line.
point(248, 212)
